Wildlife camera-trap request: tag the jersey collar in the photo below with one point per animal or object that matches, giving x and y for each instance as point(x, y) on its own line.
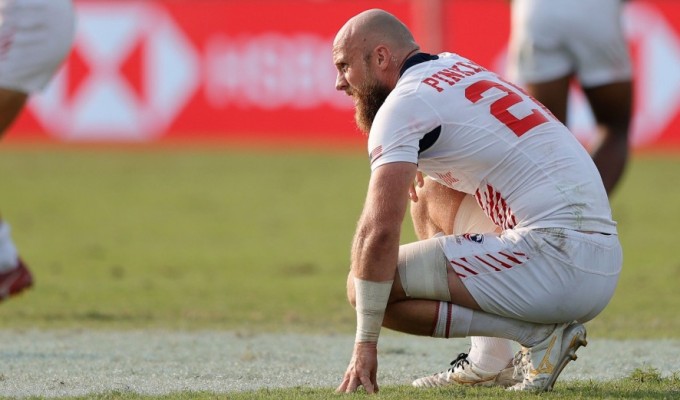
point(415, 60)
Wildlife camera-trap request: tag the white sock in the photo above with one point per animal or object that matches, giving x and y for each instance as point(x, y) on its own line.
point(525, 333)
point(490, 353)
point(452, 321)
point(457, 321)
point(9, 258)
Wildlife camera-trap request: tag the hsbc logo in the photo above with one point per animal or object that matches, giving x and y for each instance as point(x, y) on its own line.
point(130, 73)
point(271, 70)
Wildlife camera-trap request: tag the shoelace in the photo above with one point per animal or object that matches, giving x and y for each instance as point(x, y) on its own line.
point(519, 363)
point(459, 361)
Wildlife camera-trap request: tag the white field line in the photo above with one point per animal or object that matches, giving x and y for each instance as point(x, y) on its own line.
point(76, 363)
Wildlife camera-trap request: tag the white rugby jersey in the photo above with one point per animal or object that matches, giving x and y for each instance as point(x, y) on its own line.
point(472, 131)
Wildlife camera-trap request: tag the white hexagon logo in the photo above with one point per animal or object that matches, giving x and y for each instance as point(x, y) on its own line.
point(132, 71)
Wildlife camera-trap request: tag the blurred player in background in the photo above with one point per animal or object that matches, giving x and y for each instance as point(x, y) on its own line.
point(35, 38)
point(552, 44)
point(555, 42)
point(555, 259)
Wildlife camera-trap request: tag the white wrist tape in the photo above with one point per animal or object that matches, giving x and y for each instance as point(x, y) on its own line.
point(371, 300)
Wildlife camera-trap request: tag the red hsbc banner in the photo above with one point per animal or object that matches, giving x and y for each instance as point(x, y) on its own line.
point(261, 70)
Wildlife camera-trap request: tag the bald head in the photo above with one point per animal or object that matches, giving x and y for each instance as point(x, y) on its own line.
point(372, 28)
point(369, 52)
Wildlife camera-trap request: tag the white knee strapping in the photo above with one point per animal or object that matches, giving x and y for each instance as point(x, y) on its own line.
point(422, 269)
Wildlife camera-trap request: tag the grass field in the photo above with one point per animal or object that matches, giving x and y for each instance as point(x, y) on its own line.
point(642, 384)
point(234, 239)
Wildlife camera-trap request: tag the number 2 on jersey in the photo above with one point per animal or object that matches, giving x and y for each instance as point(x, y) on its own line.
point(499, 108)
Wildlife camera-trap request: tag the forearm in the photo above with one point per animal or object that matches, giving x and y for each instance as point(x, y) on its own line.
point(375, 252)
point(374, 263)
point(375, 249)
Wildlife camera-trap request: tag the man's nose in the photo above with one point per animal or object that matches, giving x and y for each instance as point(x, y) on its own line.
point(341, 83)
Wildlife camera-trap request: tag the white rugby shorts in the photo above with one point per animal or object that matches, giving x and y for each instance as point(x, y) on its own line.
point(551, 39)
point(35, 37)
point(541, 275)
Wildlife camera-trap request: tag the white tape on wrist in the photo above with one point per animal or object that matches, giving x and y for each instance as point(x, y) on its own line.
point(371, 301)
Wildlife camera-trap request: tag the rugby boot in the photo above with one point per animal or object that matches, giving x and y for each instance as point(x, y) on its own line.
point(15, 281)
point(547, 359)
point(464, 372)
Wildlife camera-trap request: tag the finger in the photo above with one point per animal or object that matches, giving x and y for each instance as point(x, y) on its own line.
point(354, 384)
point(420, 179)
point(343, 385)
point(412, 194)
point(367, 384)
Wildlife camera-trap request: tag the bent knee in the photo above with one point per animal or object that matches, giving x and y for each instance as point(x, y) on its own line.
point(422, 271)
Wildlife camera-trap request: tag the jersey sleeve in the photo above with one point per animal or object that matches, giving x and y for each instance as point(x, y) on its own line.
point(399, 125)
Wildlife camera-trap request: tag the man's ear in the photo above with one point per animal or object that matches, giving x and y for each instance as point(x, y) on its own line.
point(383, 57)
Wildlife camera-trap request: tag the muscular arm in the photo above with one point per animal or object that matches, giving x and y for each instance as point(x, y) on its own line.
point(376, 241)
point(375, 253)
